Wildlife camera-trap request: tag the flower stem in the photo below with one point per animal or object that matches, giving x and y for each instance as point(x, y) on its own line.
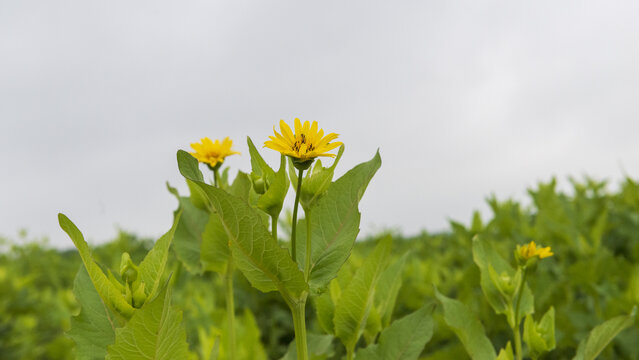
point(294, 226)
point(516, 331)
point(299, 322)
point(274, 227)
point(216, 175)
point(307, 262)
point(349, 353)
point(230, 309)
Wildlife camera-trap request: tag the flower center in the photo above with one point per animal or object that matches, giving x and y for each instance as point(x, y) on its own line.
point(302, 141)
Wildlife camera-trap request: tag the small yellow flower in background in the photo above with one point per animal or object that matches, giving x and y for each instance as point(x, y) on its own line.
point(531, 250)
point(306, 143)
point(213, 153)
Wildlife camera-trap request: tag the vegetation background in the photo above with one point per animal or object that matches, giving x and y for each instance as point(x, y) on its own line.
point(593, 276)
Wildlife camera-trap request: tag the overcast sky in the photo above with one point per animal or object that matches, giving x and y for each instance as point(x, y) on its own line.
point(463, 99)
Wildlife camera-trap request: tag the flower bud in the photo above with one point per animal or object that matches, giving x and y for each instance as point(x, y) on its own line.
point(139, 296)
point(128, 270)
point(259, 183)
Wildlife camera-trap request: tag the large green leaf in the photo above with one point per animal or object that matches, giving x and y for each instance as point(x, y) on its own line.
point(335, 224)
point(154, 332)
point(215, 245)
point(467, 328)
point(357, 298)
point(388, 288)
point(152, 267)
point(404, 339)
point(602, 335)
point(93, 329)
point(260, 258)
point(110, 294)
point(187, 240)
point(215, 250)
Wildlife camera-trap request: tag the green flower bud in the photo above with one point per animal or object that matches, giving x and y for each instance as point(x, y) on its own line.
point(128, 296)
point(301, 164)
point(128, 270)
point(316, 181)
point(259, 183)
point(139, 296)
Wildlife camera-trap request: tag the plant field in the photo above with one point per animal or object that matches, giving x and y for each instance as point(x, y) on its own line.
point(593, 277)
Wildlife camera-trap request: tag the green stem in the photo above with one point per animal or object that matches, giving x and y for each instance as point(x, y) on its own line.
point(274, 227)
point(294, 226)
point(299, 323)
point(307, 262)
point(516, 331)
point(230, 308)
point(349, 353)
point(216, 175)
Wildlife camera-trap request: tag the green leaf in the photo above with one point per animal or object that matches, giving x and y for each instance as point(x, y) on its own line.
point(258, 165)
point(93, 329)
point(260, 258)
point(540, 338)
point(241, 186)
point(197, 198)
point(187, 240)
point(388, 288)
point(272, 200)
point(189, 166)
point(404, 339)
point(152, 267)
point(506, 353)
point(602, 335)
point(154, 332)
point(467, 328)
point(357, 298)
point(109, 293)
point(215, 250)
point(215, 245)
point(277, 184)
point(373, 325)
point(325, 310)
point(335, 224)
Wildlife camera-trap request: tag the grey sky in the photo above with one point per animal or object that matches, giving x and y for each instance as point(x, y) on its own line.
point(463, 99)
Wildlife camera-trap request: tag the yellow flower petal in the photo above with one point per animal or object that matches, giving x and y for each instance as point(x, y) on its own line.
point(212, 153)
point(305, 144)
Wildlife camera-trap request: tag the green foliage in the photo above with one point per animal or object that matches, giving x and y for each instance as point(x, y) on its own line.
point(354, 304)
point(540, 337)
point(94, 328)
point(335, 224)
point(593, 277)
point(260, 258)
point(468, 329)
point(404, 339)
point(602, 335)
point(153, 332)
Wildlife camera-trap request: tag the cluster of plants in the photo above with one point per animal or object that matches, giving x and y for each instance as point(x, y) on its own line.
point(234, 278)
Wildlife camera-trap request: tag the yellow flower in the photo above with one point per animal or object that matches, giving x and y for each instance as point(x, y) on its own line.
point(306, 143)
point(531, 250)
point(213, 153)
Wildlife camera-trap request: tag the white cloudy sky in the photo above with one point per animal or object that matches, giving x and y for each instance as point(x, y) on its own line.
point(463, 98)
